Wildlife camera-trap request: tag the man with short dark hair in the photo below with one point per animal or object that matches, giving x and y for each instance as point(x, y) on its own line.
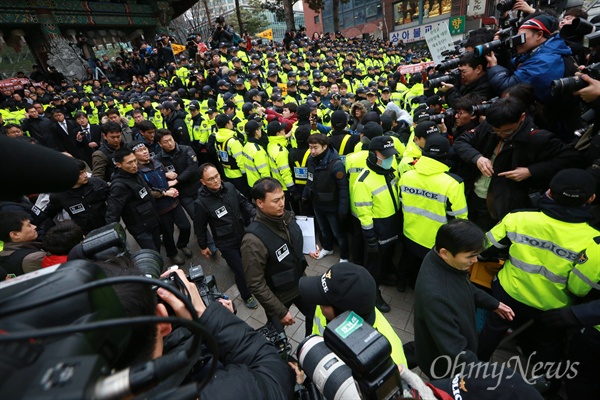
point(272, 256)
point(168, 205)
point(102, 159)
point(131, 199)
point(21, 253)
point(227, 212)
point(514, 159)
point(174, 120)
point(445, 300)
point(37, 126)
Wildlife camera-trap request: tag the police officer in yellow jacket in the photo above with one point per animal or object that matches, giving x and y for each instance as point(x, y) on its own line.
point(377, 203)
point(545, 247)
point(229, 152)
point(348, 287)
point(256, 161)
point(430, 196)
point(279, 157)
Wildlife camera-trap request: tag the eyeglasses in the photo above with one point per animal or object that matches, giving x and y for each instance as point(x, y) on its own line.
point(462, 112)
point(506, 132)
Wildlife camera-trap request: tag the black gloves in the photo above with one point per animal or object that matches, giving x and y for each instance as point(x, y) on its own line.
point(559, 318)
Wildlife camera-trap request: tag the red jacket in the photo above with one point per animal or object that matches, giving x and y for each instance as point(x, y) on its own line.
point(273, 115)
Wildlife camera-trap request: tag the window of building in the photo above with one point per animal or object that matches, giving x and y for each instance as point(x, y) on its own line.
point(406, 11)
point(317, 18)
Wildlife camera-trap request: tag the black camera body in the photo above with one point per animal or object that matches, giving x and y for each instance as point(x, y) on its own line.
point(505, 5)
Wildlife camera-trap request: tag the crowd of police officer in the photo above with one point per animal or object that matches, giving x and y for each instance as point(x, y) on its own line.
point(381, 158)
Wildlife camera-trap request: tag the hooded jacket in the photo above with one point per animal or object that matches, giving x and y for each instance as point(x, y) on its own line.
point(175, 122)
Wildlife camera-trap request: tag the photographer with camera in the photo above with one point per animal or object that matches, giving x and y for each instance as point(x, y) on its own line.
point(541, 59)
point(222, 34)
point(473, 80)
point(249, 366)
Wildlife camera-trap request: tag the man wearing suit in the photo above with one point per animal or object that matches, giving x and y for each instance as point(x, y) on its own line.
point(91, 135)
point(36, 125)
point(64, 135)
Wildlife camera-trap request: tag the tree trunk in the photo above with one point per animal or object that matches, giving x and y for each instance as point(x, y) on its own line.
point(205, 3)
point(238, 12)
point(336, 15)
point(289, 14)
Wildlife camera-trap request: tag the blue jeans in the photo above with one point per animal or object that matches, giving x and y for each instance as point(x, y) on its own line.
point(331, 228)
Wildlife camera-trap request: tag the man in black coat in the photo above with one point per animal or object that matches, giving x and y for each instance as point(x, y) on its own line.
point(446, 301)
point(221, 206)
point(131, 198)
point(85, 203)
point(37, 126)
point(525, 159)
point(65, 136)
point(174, 120)
point(181, 166)
point(474, 80)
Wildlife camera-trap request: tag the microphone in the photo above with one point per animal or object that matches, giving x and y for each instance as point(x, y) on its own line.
point(139, 378)
point(29, 168)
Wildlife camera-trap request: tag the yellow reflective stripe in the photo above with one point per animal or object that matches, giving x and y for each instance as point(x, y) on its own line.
point(538, 269)
point(425, 213)
point(585, 279)
point(494, 242)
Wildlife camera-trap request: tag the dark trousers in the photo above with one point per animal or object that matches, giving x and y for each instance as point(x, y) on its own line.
point(234, 260)
point(188, 205)
point(308, 310)
point(375, 263)
point(548, 340)
point(358, 247)
point(410, 262)
point(478, 212)
point(149, 239)
point(585, 349)
point(331, 228)
point(167, 227)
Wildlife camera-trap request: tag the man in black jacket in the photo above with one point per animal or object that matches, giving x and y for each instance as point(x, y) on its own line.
point(85, 202)
point(515, 159)
point(249, 366)
point(37, 126)
point(474, 80)
point(130, 198)
point(221, 206)
point(445, 301)
point(181, 166)
point(174, 120)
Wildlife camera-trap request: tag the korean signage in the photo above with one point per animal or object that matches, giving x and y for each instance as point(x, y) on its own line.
point(438, 41)
point(412, 68)
point(475, 8)
point(457, 25)
point(415, 33)
point(13, 83)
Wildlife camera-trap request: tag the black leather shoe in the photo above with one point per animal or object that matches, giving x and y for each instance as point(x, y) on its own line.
point(381, 304)
point(402, 285)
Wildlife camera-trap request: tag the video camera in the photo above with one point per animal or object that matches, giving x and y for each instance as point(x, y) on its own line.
point(574, 83)
point(66, 328)
point(350, 360)
point(452, 77)
point(495, 45)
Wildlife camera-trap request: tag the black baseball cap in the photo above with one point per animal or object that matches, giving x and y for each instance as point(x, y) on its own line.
point(275, 127)
point(345, 286)
point(426, 128)
point(436, 146)
point(383, 144)
point(572, 187)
